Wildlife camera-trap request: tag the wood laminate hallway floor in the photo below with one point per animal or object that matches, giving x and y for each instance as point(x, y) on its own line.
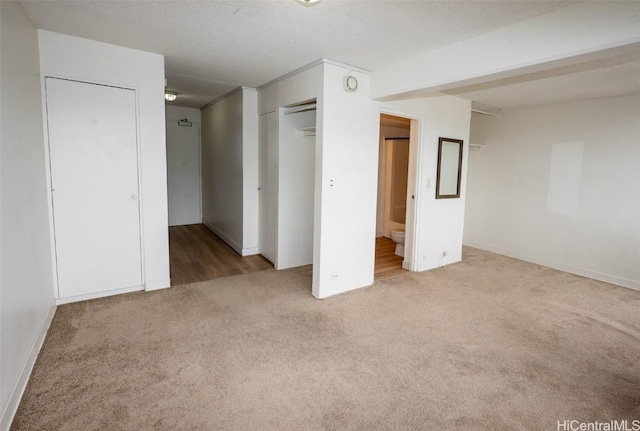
point(197, 254)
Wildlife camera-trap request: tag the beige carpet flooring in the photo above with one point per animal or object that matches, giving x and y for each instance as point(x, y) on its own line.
point(490, 343)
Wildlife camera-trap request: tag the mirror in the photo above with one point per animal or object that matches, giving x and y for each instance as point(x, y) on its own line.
point(449, 168)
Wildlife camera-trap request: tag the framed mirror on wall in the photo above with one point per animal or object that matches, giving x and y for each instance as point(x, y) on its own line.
point(449, 171)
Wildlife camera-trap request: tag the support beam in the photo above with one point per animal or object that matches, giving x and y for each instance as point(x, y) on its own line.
point(579, 33)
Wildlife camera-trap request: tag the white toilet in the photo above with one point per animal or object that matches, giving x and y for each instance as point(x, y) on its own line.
point(398, 237)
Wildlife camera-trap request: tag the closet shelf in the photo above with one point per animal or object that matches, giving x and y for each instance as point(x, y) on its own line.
point(306, 131)
point(300, 108)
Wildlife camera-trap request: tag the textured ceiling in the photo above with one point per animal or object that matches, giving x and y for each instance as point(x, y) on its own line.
point(211, 47)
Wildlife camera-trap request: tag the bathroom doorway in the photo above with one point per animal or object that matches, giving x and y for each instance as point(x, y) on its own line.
point(393, 182)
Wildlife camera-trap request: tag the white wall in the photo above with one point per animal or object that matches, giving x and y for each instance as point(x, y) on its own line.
point(230, 169)
point(222, 169)
point(346, 169)
point(183, 166)
point(250, 172)
point(27, 299)
point(293, 202)
point(90, 61)
point(300, 87)
point(178, 113)
point(441, 220)
point(559, 185)
point(346, 185)
point(344, 175)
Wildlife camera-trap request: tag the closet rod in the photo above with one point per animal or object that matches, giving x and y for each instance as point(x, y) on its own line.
point(396, 139)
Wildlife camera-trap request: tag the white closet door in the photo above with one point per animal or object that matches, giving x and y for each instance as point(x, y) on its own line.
point(183, 172)
point(94, 181)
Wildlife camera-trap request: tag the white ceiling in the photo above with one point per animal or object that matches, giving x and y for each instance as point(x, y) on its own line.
point(609, 77)
point(211, 47)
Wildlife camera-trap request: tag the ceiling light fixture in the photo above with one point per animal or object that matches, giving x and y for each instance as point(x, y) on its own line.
point(170, 96)
point(308, 3)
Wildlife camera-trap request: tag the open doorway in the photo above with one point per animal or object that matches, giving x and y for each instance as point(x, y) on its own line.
point(287, 154)
point(196, 253)
point(393, 181)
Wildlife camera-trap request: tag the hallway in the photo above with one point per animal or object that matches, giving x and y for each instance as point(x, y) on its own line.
point(197, 254)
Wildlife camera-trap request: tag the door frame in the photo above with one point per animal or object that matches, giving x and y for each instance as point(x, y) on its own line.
point(47, 147)
point(412, 223)
point(263, 183)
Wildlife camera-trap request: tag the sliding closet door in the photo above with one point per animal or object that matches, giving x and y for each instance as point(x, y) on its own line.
point(94, 181)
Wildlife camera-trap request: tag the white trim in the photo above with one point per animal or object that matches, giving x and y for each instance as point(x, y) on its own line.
point(225, 95)
point(607, 278)
point(347, 66)
point(342, 290)
point(294, 263)
point(21, 384)
point(478, 111)
point(47, 162)
point(231, 243)
point(200, 169)
point(158, 285)
point(96, 295)
point(311, 65)
point(411, 262)
point(250, 251)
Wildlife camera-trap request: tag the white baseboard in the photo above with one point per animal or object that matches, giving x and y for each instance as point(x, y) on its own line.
point(250, 251)
point(337, 291)
point(234, 245)
point(293, 263)
point(157, 285)
point(607, 278)
point(23, 379)
point(70, 299)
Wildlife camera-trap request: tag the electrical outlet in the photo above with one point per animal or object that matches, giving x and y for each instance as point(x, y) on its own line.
point(335, 276)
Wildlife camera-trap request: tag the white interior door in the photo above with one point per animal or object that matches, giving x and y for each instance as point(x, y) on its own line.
point(183, 172)
point(94, 181)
